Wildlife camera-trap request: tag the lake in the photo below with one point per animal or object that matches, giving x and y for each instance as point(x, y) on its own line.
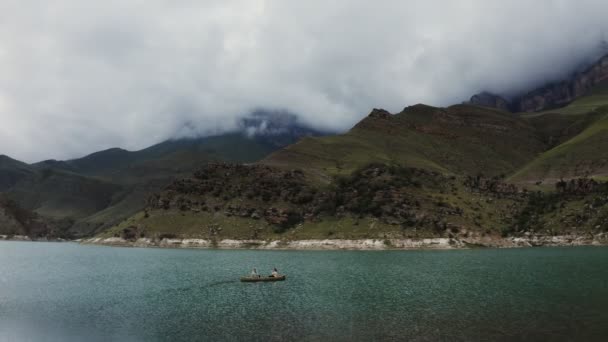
point(71, 292)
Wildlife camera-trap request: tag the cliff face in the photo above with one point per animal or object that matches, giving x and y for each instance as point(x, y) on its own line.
point(486, 99)
point(564, 92)
point(549, 96)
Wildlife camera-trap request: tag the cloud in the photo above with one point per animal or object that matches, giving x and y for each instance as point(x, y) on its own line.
point(79, 76)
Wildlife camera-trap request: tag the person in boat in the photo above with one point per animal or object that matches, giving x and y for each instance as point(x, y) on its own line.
point(254, 273)
point(274, 273)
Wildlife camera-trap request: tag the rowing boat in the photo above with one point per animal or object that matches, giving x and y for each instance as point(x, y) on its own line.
point(256, 279)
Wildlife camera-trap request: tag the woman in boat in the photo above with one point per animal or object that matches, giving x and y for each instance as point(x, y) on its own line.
point(254, 273)
point(274, 273)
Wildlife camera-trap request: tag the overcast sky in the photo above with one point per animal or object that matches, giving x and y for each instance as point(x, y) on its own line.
point(80, 76)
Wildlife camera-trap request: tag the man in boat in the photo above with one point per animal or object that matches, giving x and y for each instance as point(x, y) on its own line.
point(274, 273)
point(254, 273)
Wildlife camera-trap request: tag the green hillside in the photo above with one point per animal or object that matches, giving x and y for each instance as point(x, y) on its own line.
point(103, 188)
point(153, 168)
point(460, 139)
point(58, 193)
point(424, 172)
point(580, 148)
point(585, 155)
point(15, 220)
point(164, 159)
point(228, 201)
point(596, 98)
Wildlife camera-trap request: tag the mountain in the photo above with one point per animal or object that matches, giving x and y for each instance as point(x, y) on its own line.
point(256, 136)
point(473, 172)
point(464, 172)
point(12, 171)
point(580, 135)
point(561, 93)
point(103, 188)
point(569, 142)
point(552, 95)
point(460, 139)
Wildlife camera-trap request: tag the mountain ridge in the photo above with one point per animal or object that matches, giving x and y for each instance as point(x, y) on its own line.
point(101, 188)
point(463, 172)
point(424, 172)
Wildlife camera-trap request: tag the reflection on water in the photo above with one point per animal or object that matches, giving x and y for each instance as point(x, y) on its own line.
point(60, 292)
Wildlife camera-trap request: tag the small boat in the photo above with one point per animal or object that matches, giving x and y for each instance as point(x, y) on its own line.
point(256, 279)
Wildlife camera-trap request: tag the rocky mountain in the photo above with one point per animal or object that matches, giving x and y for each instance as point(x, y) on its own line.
point(486, 99)
point(465, 172)
point(470, 172)
point(552, 95)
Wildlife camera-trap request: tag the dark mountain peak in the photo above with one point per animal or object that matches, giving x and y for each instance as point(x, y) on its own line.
point(51, 163)
point(379, 113)
point(377, 119)
point(487, 99)
point(419, 108)
point(272, 123)
point(109, 151)
point(5, 158)
point(8, 161)
point(275, 128)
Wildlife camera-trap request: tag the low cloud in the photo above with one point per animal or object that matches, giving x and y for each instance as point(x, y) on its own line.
point(79, 76)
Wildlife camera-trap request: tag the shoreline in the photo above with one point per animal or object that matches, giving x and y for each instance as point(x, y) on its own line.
point(339, 244)
point(358, 244)
point(26, 238)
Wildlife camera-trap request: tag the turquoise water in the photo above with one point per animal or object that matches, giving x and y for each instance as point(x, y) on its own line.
point(69, 292)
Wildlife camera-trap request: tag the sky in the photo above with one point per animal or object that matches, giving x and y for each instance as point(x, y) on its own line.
point(80, 76)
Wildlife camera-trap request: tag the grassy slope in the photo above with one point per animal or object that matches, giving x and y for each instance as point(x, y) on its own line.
point(459, 139)
point(101, 189)
point(582, 148)
point(154, 167)
point(585, 155)
point(436, 199)
point(163, 160)
point(435, 205)
point(59, 194)
point(596, 98)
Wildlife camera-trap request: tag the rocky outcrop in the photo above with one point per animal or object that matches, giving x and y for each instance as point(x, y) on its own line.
point(561, 93)
point(379, 113)
point(283, 199)
point(552, 95)
point(486, 99)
